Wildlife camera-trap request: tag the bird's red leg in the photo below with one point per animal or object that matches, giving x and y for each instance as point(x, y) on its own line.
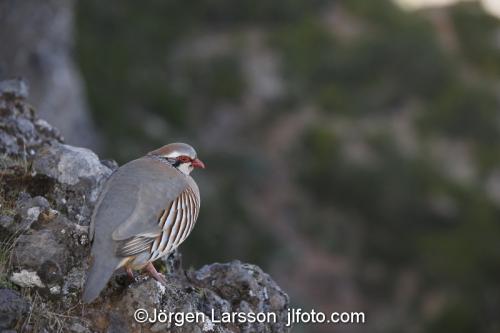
point(154, 273)
point(130, 273)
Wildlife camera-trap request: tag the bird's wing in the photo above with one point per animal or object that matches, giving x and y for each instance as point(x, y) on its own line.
point(175, 222)
point(132, 203)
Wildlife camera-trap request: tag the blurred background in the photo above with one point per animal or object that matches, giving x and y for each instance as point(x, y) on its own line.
point(352, 147)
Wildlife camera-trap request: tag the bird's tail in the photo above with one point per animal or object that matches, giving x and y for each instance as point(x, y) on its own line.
point(98, 276)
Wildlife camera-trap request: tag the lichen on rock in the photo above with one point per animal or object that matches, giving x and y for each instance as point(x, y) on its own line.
point(48, 193)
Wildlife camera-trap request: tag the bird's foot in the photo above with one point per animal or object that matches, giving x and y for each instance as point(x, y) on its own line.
point(130, 273)
point(161, 278)
point(155, 274)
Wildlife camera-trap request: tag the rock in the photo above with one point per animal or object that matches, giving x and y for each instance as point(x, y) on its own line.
point(78, 175)
point(21, 132)
point(69, 165)
point(78, 328)
point(26, 279)
point(12, 308)
point(15, 88)
point(246, 287)
point(55, 290)
point(29, 254)
point(29, 209)
point(213, 290)
point(73, 281)
point(6, 222)
point(117, 323)
point(62, 252)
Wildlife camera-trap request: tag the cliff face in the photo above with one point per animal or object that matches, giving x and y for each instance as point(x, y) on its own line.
point(37, 44)
point(47, 193)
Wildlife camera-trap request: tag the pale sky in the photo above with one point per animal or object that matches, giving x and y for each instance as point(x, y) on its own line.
point(492, 6)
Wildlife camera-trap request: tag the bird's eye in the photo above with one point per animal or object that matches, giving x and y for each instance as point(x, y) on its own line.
point(183, 159)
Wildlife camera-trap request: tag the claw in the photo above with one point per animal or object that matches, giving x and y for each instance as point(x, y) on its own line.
point(154, 273)
point(130, 273)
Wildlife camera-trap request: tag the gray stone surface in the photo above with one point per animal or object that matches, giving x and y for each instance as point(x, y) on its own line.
point(6, 222)
point(12, 308)
point(21, 131)
point(77, 174)
point(16, 88)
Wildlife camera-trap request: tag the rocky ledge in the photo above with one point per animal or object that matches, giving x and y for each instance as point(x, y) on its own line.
point(47, 193)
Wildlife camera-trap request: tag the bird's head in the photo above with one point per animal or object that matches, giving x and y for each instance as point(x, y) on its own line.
point(180, 155)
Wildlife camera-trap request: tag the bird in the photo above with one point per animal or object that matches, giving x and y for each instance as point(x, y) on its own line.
point(146, 209)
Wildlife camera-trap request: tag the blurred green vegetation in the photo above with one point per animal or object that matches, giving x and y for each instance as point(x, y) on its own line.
point(124, 50)
point(464, 111)
point(479, 38)
point(383, 67)
point(401, 209)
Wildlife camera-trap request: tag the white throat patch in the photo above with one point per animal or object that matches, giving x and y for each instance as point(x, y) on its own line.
point(185, 168)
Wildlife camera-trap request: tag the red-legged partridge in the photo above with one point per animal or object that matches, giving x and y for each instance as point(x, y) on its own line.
point(147, 208)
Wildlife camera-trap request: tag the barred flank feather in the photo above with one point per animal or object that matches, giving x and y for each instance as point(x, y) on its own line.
point(177, 222)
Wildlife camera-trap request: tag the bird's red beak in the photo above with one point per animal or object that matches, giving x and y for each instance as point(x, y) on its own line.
point(196, 163)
